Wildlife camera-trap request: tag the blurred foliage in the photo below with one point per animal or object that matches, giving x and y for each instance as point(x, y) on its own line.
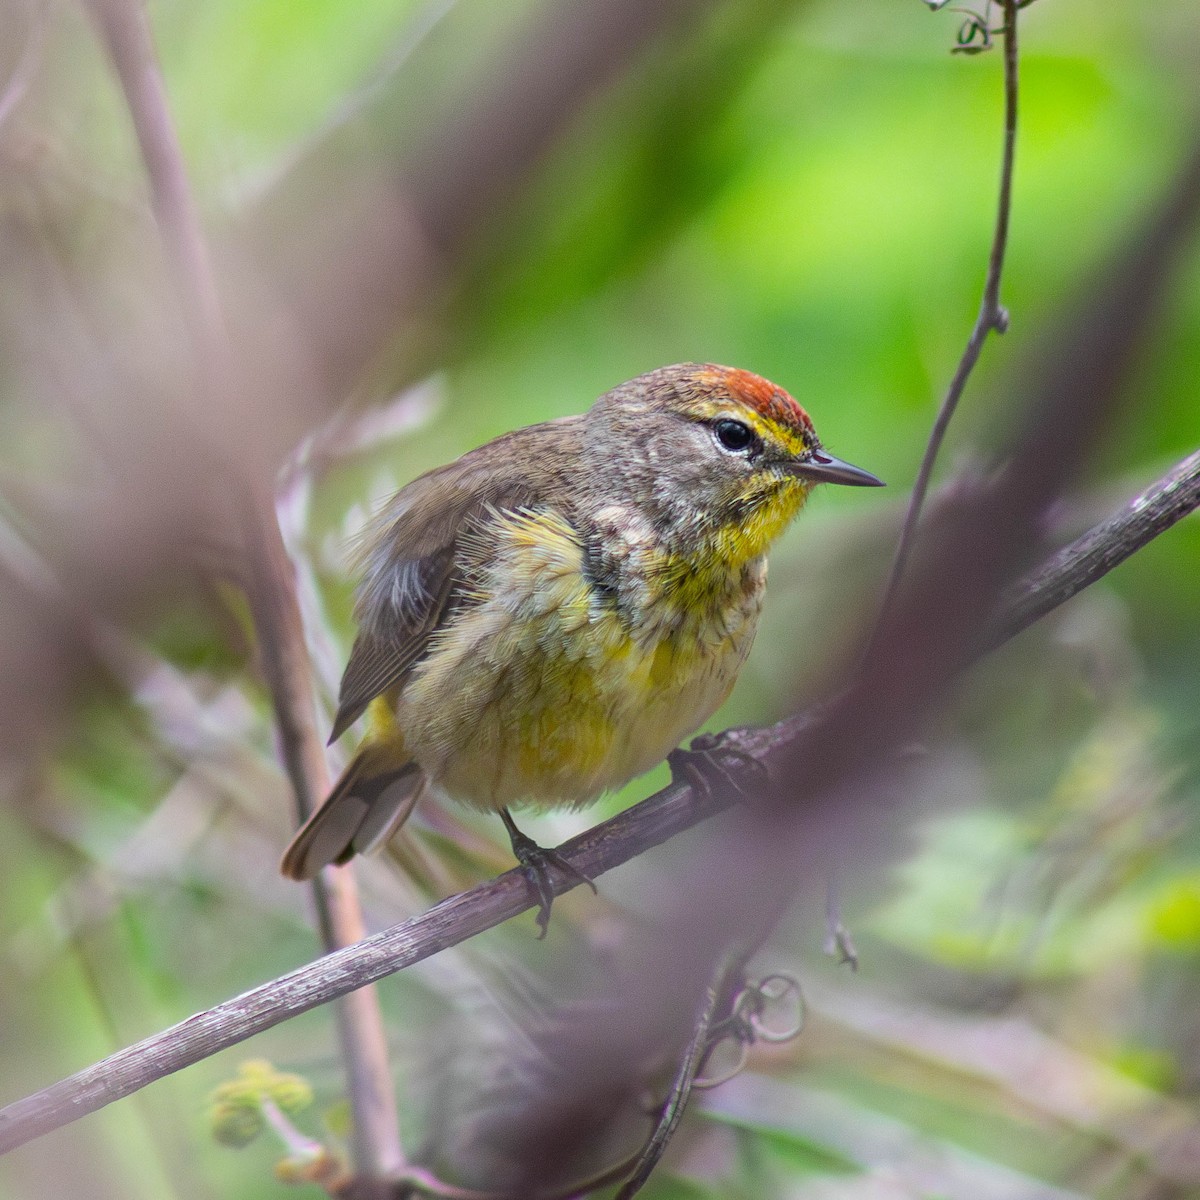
point(807, 190)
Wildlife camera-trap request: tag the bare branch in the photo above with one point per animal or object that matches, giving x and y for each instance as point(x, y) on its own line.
point(1102, 548)
point(286, 667)
point(125, 27)
point(992, 316)
point(648, 824)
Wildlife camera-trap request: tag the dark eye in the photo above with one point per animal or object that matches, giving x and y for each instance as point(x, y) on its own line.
point(733, 435)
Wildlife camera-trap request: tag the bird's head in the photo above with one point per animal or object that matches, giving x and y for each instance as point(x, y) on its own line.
point(710, 452)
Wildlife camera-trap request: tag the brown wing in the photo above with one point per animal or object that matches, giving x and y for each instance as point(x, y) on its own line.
point(409, 562)
point(397, 635)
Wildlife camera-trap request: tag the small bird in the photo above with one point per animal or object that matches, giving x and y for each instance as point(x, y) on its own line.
point(548, 616)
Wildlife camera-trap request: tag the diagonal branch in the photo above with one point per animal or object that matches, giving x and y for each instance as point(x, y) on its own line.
point(648, 824)
point(1102, 548)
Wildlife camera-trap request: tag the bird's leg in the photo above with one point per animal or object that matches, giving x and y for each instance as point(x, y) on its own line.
point(536, 862)
point(710, 760)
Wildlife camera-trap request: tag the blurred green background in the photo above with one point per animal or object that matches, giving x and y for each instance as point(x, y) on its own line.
point(806, 190)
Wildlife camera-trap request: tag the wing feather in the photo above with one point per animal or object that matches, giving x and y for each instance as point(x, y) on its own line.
point(411, 574)
point(396, 638)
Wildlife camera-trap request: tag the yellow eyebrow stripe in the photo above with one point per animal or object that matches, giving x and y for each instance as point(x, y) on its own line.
point(767, 430)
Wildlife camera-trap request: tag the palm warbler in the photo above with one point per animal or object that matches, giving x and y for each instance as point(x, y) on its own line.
point(548, 616)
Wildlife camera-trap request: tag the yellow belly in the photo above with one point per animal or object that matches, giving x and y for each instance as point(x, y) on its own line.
point(543, 695)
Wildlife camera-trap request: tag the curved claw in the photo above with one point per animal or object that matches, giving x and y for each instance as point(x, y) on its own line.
point(535, 862)
point(710, 761)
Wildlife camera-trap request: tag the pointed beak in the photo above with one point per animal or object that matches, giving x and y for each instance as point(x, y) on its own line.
point(824, 468)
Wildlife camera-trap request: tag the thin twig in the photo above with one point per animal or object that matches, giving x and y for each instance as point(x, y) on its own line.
point(992, 316)
point(125, 29)
point(454, 920)
point(716, 997)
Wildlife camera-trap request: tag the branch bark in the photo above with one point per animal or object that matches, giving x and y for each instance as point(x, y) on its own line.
point(1102, 548)
point(648, 824)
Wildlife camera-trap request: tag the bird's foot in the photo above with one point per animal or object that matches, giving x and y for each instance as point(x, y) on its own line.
point(716, 760)
point(535, 862)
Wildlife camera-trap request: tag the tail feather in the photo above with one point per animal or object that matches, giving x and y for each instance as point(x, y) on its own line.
point(371, 800)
